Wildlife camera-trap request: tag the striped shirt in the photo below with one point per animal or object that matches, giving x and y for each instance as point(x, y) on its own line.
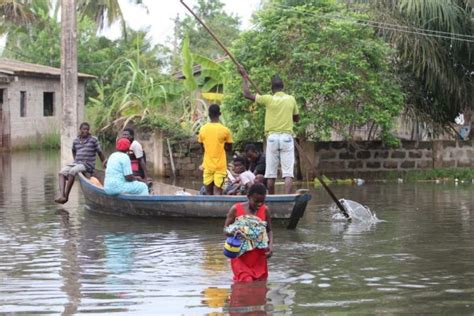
point(85, 151)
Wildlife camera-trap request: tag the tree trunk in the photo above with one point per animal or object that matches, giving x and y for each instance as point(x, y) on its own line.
point(69, 119)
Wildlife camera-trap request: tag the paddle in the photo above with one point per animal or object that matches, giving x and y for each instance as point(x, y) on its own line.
point(298, 147)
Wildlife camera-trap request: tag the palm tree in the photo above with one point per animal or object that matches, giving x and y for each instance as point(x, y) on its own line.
point(20, 13)
point(104, 12)
point(69, 60)
point(435, 41)
point(14, 13)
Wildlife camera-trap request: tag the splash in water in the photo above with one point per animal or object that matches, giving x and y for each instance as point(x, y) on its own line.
point(356, 211)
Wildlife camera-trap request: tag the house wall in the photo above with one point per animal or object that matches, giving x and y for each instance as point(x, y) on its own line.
point(32, 127)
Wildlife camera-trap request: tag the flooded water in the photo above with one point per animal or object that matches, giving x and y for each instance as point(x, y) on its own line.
point(65, 260)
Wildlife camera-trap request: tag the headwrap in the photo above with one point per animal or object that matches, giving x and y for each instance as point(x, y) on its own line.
point(123, 144)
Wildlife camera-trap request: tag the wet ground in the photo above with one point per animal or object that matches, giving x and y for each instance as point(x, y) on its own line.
point(65, 260)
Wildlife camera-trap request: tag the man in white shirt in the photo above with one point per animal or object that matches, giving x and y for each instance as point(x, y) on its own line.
point(137, 155)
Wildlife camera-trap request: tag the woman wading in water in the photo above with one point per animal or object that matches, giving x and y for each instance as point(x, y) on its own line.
point(251, 221)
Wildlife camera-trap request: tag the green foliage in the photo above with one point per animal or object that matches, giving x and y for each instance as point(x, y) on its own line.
point(51, 141)
point(39, 41)
point(42, 44)
point(129, 88)
point(439, 68)
point(212, 77)
point(446, 174)
point(340, 73)
point(189, 81)
point(213, 74)
point(225, 26)
point(20, 13)
point(103, 12)
point(170, 129)
point(132, 96)
point(26, 13)
point(48, 141)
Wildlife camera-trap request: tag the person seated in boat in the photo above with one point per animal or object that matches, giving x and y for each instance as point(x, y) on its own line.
point(119, 178)
point(251, 221)
point(84, 150)
point(137, 156)
point(256, 160)
point(243, 179)
point(259, 178)
point(215, 140)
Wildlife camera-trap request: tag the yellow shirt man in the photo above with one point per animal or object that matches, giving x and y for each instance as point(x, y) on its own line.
point(280, 109)
point(214, 137)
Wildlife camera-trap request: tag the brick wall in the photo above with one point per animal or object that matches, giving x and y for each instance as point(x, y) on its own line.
point(337, 159)
point(373, 158)
point(187, 156)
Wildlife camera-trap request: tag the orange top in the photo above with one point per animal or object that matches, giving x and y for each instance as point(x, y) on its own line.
point(261, 212)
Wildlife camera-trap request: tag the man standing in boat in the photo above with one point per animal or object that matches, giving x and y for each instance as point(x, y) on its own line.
point(281, 111)
point(215, 140)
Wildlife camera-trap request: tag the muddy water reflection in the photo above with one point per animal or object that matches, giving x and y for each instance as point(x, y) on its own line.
point(64, 260)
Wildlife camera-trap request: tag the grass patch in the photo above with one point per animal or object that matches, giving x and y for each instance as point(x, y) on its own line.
point(45, 142)
point(446, 174)
point(433, 174)
point(51, 141)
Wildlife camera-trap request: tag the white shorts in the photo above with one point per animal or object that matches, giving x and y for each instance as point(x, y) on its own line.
point(280, 149)
point(72, 169)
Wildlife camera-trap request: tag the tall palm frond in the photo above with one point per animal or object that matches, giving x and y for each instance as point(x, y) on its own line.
point(21, 13)
point(424, 32)
point(104, 12)
point(16, 11)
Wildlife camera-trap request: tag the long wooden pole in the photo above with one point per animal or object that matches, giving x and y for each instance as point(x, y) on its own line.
point(69, 117)
point(298, 147)
point(323, 183)
point(224, 48)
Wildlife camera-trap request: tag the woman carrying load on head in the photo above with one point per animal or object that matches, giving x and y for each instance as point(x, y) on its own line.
point(252, 222)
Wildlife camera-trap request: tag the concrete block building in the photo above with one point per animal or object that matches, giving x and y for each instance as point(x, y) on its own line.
point(30, 102)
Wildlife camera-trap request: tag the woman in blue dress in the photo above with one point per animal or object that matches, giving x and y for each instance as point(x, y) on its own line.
point(119, 178)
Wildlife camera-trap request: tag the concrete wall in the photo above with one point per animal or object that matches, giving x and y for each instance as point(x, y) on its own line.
point(371, 159)
point(34, 125)
point(337, 159)
point(187, 155)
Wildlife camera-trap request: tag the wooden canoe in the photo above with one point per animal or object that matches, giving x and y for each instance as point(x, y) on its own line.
point(166, 203)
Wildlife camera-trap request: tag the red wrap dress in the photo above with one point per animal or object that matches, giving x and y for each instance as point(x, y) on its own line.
point(252, 265)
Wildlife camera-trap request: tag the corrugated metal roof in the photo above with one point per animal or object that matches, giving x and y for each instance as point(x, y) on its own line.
point(15, 67)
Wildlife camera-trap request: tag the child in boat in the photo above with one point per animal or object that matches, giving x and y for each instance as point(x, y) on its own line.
point(252, 222)
point(243, 180)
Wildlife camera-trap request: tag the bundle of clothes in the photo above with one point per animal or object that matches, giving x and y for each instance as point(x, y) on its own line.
point(251, 230)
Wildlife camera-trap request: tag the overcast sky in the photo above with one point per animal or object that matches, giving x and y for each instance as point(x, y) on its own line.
point(161, 13)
